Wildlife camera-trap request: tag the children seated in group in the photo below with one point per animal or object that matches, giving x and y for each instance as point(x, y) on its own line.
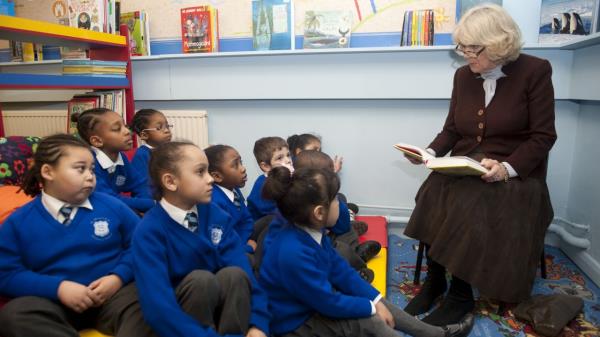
point(343, 237)
point(152, 128)
point(307, 141)
point(65, 256)
point(226, 167)
point(108, 135)
point(269, 152)
point(191, 270)
point(300, 270)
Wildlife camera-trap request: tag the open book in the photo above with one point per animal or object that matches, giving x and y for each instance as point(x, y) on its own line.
point(458, 165)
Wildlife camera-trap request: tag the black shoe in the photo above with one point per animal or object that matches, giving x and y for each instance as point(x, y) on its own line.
point(366, 274)
point(462, 329)
point(368, 250)
point(360, 227)
point(433, 289)
point(353, 207)
point(458, 303)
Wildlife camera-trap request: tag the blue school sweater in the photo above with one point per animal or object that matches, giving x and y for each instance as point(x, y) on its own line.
point(242, 219)
point(140, 162)
point(165, 252)
point(37, 252)
point(257, 205)
point(302, 277)
point(124, 179)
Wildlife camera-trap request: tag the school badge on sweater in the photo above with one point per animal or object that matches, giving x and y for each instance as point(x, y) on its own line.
point(101, 228)
point(216, 234)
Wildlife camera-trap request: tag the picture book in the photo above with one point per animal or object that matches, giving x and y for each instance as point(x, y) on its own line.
point(75, 107)
point(272, 27)
point(87, 14)
point(199, 29)
point(565, 20)
point(139, 39)
point(327, 29)
point(456, 165)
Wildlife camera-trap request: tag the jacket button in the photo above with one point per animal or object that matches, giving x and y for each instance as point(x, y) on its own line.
point(480, 125)
point(479, 139)
point(480, 112)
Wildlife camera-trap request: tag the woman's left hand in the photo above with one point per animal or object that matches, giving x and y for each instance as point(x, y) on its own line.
point(497, 171)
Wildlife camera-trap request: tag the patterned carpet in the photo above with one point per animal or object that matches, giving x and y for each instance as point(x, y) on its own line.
point(563, 276)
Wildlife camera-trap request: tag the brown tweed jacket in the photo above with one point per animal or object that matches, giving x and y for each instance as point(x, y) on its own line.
point(518, 124)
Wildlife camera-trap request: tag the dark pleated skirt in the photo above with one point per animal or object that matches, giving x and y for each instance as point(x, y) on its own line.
point(488, 234)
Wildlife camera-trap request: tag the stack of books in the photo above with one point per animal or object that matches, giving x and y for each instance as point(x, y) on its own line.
point(98, 68)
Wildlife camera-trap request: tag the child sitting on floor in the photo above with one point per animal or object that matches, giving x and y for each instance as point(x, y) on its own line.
point(226, 167)
point(108, 135)
point(152, 128)
point(300, 269)
point(191, 270)
point(269, 152)
point(65, 257)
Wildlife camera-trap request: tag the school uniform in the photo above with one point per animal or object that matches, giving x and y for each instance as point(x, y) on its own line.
point(42, 244)
point(300, 271)
point(119, 177)
point(141, 161)
point(257, 205)
point(234, 204)
point(186, 271)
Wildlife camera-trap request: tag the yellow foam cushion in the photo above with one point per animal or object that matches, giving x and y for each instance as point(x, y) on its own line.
point(379, 266)
point(91, 333)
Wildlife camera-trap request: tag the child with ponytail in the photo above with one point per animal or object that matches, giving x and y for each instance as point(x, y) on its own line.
point(300, 270)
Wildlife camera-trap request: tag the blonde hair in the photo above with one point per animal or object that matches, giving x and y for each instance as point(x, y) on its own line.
point(491, 26)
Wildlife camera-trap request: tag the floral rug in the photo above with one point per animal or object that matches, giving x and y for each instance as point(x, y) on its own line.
point(563, 276)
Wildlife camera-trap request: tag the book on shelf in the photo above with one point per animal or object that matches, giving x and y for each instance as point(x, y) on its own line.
point(75, 107)
point(199, 29)
point(139, 34)
point(418, 28)
point(272, 25)
point(109, 99)
point(566, 20)
point(327, 29)
point(454, 165)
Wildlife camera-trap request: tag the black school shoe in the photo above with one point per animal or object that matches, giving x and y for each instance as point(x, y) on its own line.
point(461, 329)
point(455, 306)
point(353, 207)
point(366, 274)
point(360, 227)
point(368, 250)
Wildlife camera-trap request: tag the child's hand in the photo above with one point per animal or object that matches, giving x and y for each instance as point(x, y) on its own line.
point(105, 287)
point(75, 296)
point(252, 244)
point(254, 332)
point(337, 164)
point(384, 313)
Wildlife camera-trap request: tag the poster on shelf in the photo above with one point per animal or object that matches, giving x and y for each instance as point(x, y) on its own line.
point(567, 20)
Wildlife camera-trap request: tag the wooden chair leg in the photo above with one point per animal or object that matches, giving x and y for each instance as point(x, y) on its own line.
point(418, 264)
point(543, 264)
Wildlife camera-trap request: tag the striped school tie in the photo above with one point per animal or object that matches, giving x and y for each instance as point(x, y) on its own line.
point(66, 211)
point(237, 200)
point(192, 220)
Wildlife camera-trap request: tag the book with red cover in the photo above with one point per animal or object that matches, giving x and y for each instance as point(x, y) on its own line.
point(75, 107)
point(199, 29)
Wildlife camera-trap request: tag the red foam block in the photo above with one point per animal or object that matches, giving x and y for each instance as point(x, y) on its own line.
point(377, 229)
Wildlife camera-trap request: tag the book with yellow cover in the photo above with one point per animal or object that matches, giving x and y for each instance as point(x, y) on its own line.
point(454, 165)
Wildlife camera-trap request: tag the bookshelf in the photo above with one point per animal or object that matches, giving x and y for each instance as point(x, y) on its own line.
point(102, 46)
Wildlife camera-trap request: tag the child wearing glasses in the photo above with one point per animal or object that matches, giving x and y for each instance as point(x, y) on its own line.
point(152, 128)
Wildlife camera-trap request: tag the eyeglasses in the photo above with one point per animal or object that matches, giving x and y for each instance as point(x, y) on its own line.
point(163, 128)
point(469, 51)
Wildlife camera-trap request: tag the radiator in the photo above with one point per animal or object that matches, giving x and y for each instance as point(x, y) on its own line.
point(189, 125)
point(38, 123)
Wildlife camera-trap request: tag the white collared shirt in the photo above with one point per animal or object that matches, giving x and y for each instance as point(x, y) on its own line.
point(107, 163)
point(317, 235)
point(53, 206)
point(229, 193)
point(177, 213)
